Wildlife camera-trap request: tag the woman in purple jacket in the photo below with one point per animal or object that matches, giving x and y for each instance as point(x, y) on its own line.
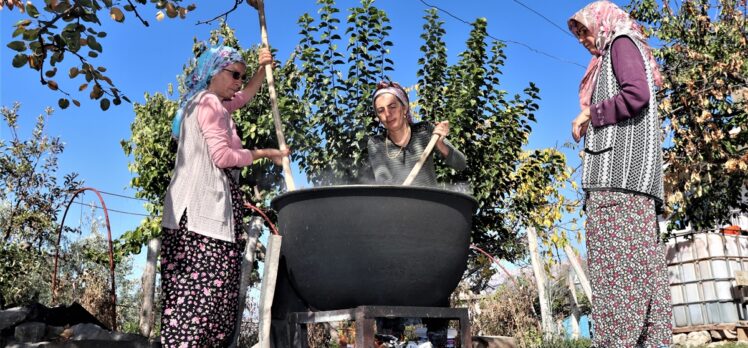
point(622, 179)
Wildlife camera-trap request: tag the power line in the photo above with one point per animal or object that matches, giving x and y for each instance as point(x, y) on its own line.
point(507, 41)
point(118, 195)
point(123, 196)
point(111, 210)
point(546, 18)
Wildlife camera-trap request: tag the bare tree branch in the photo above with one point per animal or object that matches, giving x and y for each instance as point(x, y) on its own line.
point(224, 15)
point(135, 9)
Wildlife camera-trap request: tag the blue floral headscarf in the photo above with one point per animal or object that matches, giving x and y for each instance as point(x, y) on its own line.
point(209, 63)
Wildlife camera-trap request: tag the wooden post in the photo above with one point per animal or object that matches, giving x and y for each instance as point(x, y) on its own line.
point(540, 279)
point(149, 287)
point(274, 241)
point(575, 314)
point(253, 232)
point(574, 261)
point(269, 278)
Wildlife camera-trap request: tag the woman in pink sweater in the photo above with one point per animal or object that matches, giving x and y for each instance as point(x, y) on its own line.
point(202, 240)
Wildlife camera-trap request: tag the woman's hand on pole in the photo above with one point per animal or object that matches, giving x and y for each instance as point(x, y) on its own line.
point(253, 85)
point(275, 155)
point(442, 129)
point(264, 57)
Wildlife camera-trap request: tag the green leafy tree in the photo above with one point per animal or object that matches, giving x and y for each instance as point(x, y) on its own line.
point(432, 73)
point(153, 153)
point(549, 200)
point(29, 183)
point(30, 197)
point(30, 200)
point(44, 37)
point(703, 100)
point(337, 87)
point(512, 185)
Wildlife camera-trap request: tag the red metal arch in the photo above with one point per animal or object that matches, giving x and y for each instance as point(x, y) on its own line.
point(113, 294)
point(490, 257)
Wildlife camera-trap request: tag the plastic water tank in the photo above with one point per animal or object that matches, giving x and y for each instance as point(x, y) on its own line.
point(702, 269)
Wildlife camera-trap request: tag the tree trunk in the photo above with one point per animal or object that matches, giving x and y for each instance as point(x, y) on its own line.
point(253, 232)
point(149, 287)
point(540, 278)
point(574, 260)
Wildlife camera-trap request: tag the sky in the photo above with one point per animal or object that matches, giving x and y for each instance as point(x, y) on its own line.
point(144, 60)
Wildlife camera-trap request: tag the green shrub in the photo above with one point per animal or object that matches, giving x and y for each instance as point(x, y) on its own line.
point(566, 343)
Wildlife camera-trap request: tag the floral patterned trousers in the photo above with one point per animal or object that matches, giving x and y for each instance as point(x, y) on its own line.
point(630, 290)
point(200, 284)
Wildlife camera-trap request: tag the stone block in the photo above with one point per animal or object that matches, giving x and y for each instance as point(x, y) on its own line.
point(84, 332)
point(12, 317)
point(698, 338)
point(30, 332)
point(494, 342)
point(680, 339)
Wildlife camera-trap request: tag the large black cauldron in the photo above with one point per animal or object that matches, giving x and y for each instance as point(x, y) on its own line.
point(347, 246)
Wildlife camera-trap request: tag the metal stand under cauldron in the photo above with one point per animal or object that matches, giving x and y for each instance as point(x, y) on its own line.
point(365, 318)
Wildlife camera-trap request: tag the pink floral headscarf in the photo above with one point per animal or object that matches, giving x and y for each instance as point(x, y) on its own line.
point(605, 21)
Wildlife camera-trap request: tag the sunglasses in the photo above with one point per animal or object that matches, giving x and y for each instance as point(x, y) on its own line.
point(237, 75)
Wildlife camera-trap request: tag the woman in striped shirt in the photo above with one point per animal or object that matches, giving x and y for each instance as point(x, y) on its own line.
point(392, 155)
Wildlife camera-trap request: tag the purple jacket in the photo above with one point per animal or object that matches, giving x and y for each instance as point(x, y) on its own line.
point(628, 67)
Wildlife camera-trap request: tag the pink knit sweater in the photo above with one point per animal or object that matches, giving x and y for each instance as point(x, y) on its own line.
point(225, 149)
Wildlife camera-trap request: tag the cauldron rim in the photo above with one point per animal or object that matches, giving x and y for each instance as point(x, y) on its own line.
point(276, 202)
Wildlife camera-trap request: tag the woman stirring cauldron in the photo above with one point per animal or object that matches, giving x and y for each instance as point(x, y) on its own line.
point(202, 247)
point(394, 154)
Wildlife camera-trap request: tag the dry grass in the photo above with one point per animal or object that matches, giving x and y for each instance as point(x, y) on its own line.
point(96, 299)
point(509, 311)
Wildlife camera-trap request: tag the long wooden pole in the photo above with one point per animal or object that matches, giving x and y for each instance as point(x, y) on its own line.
point(274, 99)
point(149, 287)
point(272, 257)
point(422, 160)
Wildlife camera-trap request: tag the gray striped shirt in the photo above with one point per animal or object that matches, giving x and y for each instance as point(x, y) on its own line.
point(391, 164)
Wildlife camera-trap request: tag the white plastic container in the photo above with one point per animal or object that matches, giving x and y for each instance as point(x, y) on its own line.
point(701, 269)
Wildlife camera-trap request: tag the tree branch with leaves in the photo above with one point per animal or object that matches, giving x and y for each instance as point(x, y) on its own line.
point(73, 27)
point(703, 103)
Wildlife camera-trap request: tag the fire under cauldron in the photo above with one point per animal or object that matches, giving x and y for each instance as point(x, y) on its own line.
point(348, 246)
